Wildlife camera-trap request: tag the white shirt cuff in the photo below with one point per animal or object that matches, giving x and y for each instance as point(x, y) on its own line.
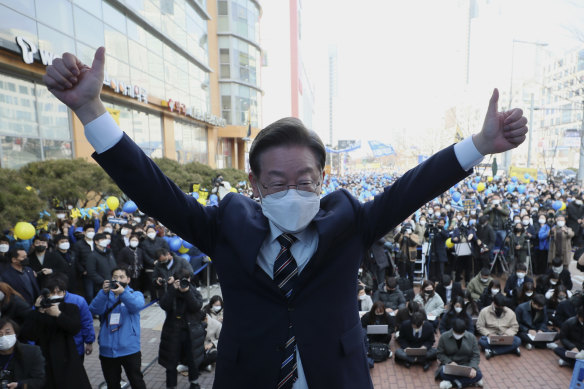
point(103, 133)
point(467, 154)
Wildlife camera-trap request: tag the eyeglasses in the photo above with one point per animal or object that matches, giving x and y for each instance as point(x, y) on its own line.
point(279, 190)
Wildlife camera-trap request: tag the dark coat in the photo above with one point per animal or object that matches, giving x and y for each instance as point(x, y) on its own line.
point(52, 261)
point(378, 320)
point(329, 340)
point(511, 288)
point(572, 334)
point(150, 247)
point(394, 300)
point(407, 339)
point(27, 366)
point(17, 309)
point(99, 266)
point(455, 291)
point(23, 282)
point(160, 270)
point(527, 321)
point(182, 309)
point(82, 251)
point(132, 260)
point(447, 321)
point(70, 259)
point(467, 355)
point(565, 277)
point(55, 335)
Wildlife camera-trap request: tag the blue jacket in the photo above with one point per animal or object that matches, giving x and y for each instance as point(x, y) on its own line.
point(126, 339)
point(544, 237)
point(87, 333)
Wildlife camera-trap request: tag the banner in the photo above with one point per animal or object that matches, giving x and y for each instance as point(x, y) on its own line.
point(520, 173)
point(380, 149)
point(345, 150)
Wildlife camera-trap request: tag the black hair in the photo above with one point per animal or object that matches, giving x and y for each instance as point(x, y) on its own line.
point(41, 238)
point(485, 271)
point(160, 252)
point(521, 266)
point(99, 236)
point(182, 273)
point(557, 262)
point(285, 132)
point(499, 299)
point(417, 319)
point(60, 237)
point(6, 320)
point(4, 238)
point(458, 326)
point(539, 300)
point(391, 282)
point(446, 279)
point(120, 269)
point(54, 282)
point(88, 225)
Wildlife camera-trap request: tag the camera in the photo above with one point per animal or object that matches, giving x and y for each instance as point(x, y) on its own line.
point(184, 283)
point(508, 225)
point(114, 284)
point(5, 378)
point(47, 301)
point(432, 228)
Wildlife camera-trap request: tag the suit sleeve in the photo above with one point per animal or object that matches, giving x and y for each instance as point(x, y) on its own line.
point(415, 188)
point(156, 195)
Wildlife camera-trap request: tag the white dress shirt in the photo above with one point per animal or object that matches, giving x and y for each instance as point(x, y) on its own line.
point(103, 133)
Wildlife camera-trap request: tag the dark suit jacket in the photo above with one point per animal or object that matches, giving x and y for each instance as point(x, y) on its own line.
point(24, 283)
point(52, 261)
point(330, 340)
point(527, 322)
point(456, 291)
point(407, 339)
point(511, 284)
point(99, 267)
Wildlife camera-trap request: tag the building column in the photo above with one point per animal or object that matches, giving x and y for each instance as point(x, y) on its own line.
point(241, 154)
point(169, 150)
point(81, 146)
point(212, 140)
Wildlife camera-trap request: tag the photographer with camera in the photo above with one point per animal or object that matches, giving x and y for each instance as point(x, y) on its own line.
point(497, 213)
point(52, 326)
point(486, 239)
point(118, 307)
point(23, 365)
point(462, 237)
point(408, 250)
point(183, 333)
point(437, 236)
point(165, 266)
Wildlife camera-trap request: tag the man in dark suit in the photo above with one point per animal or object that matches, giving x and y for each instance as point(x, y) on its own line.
point(20, 277)
point(516, 281)
point(448, 289)
point(416, 333)
point(291, 255)
point(101, 262)
point(43, 262)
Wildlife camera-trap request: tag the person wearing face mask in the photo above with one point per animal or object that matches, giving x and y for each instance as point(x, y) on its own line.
point(560, 241)
point(430, 301)
point(463, 237)
point(83, 249)
point(43, 262)
point(416, 333)
point(12, 304)
point(485, 241)
point(515, 281)
point(571, 339)
point(23, 364)
point(119, 332)
point(477, 285)
point(497, 319)
point(542, 247)
point(532, 317)
point(21, 277)
point(364, 300)
point(52, 325)
point(151, 243)
point(517, 242)
point(131, 258)
point(378, 316)
point(392, 297)
point(215, 308)
point(492, 289)
point(100, 263)
point(575, 218)
point(448, 290)
point(555, 296)
point(458, 346)
point(166, 265)
point(438, 256)
point(455, 312)
point(408, 243)
point(526, 293)
point(64, 251)
point(4, 247)
point(564, 275)
point(497, 213)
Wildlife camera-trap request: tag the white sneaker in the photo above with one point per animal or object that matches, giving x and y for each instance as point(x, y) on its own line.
point(529, 346)
point(561, 362)
point(480, 383)
point(181, 368)
point(551, 345)
point(445, 384)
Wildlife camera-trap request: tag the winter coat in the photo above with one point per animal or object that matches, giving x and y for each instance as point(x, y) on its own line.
point(17, 309)
point(126, 340)
point(182, 309)
point(563, 239)
point(467, 355)
point(394, 300)
point(543, 235)
point(99, 267)
point(54, 335)
point(132, 260)
point(489, 324)
point(213, 331)
point(87, 333)
point(476, 287)
point(150, 246)
point(27, 366)
point(433, 306)
point(162, 271)
point(527, 321)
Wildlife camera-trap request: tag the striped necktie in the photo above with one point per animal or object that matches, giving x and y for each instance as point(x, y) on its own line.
point(285, 273)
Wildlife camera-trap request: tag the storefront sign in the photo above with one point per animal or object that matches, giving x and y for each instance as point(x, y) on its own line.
point(182, 109)
point(133, 91)
point(29, 49)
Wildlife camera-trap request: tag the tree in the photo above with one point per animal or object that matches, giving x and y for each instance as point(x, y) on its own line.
point(65, 182)
point(178, 173)
point(17, 203)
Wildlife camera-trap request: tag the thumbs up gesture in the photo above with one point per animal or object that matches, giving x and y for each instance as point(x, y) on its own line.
point(77, 85)
point(501, 131)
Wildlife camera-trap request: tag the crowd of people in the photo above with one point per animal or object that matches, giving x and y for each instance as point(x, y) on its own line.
point(53, 287)
point(490, 262)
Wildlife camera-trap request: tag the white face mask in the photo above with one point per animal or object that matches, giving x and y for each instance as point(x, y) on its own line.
point(108, 241)
point(61, 216)
point(7, 342)
point(134, 243)
point(457, 309)
point(520, 275)
point(525, 222)
point(457, 336)
point(151, 235)
point(553, 282)
point(557, 269)
point(216, 308)
point(103, 243)
point(293, 212)
point(473, 212)
point(4, 248)
point(495, 291)
point(124, 231)
point(363, 297)
point(89, 235)
point(64, 246)
point(458, 217)
point(422, 223)
point(541, 221)
point(437, 214)
point(529, 294)
point(109, 230)
point(495, 202)
point(561, 223)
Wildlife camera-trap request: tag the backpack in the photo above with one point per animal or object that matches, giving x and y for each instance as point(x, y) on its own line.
point(379, 352)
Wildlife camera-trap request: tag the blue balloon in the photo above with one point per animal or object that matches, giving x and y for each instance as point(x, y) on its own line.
point(514, 179)
point(129, 207)
point(526, 176)
point(196, 195)
point(510, 188)
point(213, 197)
point(556, 205)
point(521, 189)
point(187, 245)
point(456, 196)
point(475, 185)
point(477, 179)
point(175, 243)
point(185, 256)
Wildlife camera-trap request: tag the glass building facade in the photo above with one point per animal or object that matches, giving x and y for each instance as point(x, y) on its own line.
point(157, 55)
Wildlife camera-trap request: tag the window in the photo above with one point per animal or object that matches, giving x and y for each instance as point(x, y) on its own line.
point(225, 67)
point(222, 8)
point(226, 108)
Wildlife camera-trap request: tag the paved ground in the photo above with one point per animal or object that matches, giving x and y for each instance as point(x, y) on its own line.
point(534, 369)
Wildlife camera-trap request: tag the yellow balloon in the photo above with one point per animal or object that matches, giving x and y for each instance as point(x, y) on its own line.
point(563, 206)
point(489, 179)
point(112, 203)
point(24, 230)
point(480, 187)
point(449, 243)
point(183, 250)
point(233, 190)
